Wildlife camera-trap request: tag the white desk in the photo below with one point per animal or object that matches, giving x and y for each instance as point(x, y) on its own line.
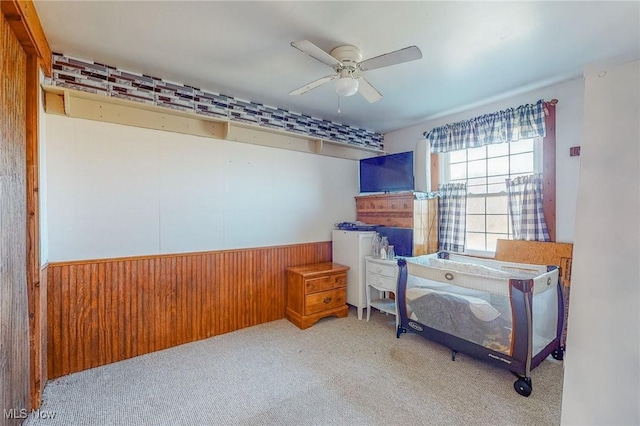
point(382, 275)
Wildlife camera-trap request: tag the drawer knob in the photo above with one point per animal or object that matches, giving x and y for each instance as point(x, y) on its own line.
point(327, 300)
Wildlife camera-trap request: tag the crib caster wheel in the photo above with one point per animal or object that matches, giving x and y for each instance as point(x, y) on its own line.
point(399, 331)
point(523, 386)
point(558, 354)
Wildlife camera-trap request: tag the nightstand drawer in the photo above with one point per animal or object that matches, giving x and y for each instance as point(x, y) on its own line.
point(314, 285)
point(379, 269)
point(325, 300)
point(381, 282)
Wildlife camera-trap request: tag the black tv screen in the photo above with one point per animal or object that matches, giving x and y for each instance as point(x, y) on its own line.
point(387, 173)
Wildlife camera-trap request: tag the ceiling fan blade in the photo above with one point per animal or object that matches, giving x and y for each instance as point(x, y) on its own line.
point(319, 82)
point(407, 54)
point(316, 53)
point(368, 91)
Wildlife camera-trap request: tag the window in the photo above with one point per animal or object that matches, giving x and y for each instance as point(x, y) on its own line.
point(485, 170)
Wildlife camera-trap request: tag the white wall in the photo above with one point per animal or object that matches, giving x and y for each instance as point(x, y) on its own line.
point(115, 190)
point(568, 134)
point(602, 364)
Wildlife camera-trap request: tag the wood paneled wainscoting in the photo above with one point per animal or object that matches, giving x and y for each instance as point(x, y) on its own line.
point(102, 311)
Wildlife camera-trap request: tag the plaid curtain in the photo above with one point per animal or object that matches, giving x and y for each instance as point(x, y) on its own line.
point(452, 209)
point(524, 122)
point(524, 196)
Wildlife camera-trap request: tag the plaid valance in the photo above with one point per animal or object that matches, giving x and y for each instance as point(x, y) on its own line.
point(524, 122)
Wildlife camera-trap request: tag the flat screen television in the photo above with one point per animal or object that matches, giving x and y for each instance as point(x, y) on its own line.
point(387, 173)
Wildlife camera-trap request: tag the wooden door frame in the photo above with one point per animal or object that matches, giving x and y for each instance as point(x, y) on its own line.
point(24, 22)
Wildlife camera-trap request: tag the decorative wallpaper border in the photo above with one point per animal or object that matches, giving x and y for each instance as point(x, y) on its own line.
point(109, 81)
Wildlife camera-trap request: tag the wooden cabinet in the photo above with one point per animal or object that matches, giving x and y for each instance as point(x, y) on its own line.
point(403, 210)
point(316, 291)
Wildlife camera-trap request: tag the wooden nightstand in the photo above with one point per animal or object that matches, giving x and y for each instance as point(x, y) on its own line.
point(316, 291)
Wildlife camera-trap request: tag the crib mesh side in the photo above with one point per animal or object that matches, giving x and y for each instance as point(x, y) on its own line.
point(545, 318)
point(477, 316)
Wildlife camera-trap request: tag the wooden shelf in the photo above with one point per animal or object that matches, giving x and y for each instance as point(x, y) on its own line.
point(91, 106)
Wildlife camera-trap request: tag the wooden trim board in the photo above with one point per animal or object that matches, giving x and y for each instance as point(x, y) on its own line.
point(91, 106)
point(25, 23)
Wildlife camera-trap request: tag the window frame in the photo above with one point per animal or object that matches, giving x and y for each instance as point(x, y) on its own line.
point(537, 149)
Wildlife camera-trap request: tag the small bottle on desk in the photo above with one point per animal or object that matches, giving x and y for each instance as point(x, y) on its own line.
point(384, 248)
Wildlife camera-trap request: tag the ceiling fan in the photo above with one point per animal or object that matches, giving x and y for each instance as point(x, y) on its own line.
point(347, 63)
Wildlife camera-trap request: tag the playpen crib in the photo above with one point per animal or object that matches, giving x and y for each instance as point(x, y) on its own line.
point(507, 314)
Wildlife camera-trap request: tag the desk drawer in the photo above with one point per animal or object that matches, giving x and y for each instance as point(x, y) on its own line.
point(381, 282)
point(379, 269)
point(325, 300)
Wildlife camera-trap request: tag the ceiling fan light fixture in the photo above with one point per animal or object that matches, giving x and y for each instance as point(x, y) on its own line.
point(347, 64)
point(346, 86)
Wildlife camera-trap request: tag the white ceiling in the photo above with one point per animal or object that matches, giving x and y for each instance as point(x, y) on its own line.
point(473, 52)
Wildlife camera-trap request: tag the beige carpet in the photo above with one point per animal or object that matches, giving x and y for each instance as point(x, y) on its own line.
point(340, 371)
